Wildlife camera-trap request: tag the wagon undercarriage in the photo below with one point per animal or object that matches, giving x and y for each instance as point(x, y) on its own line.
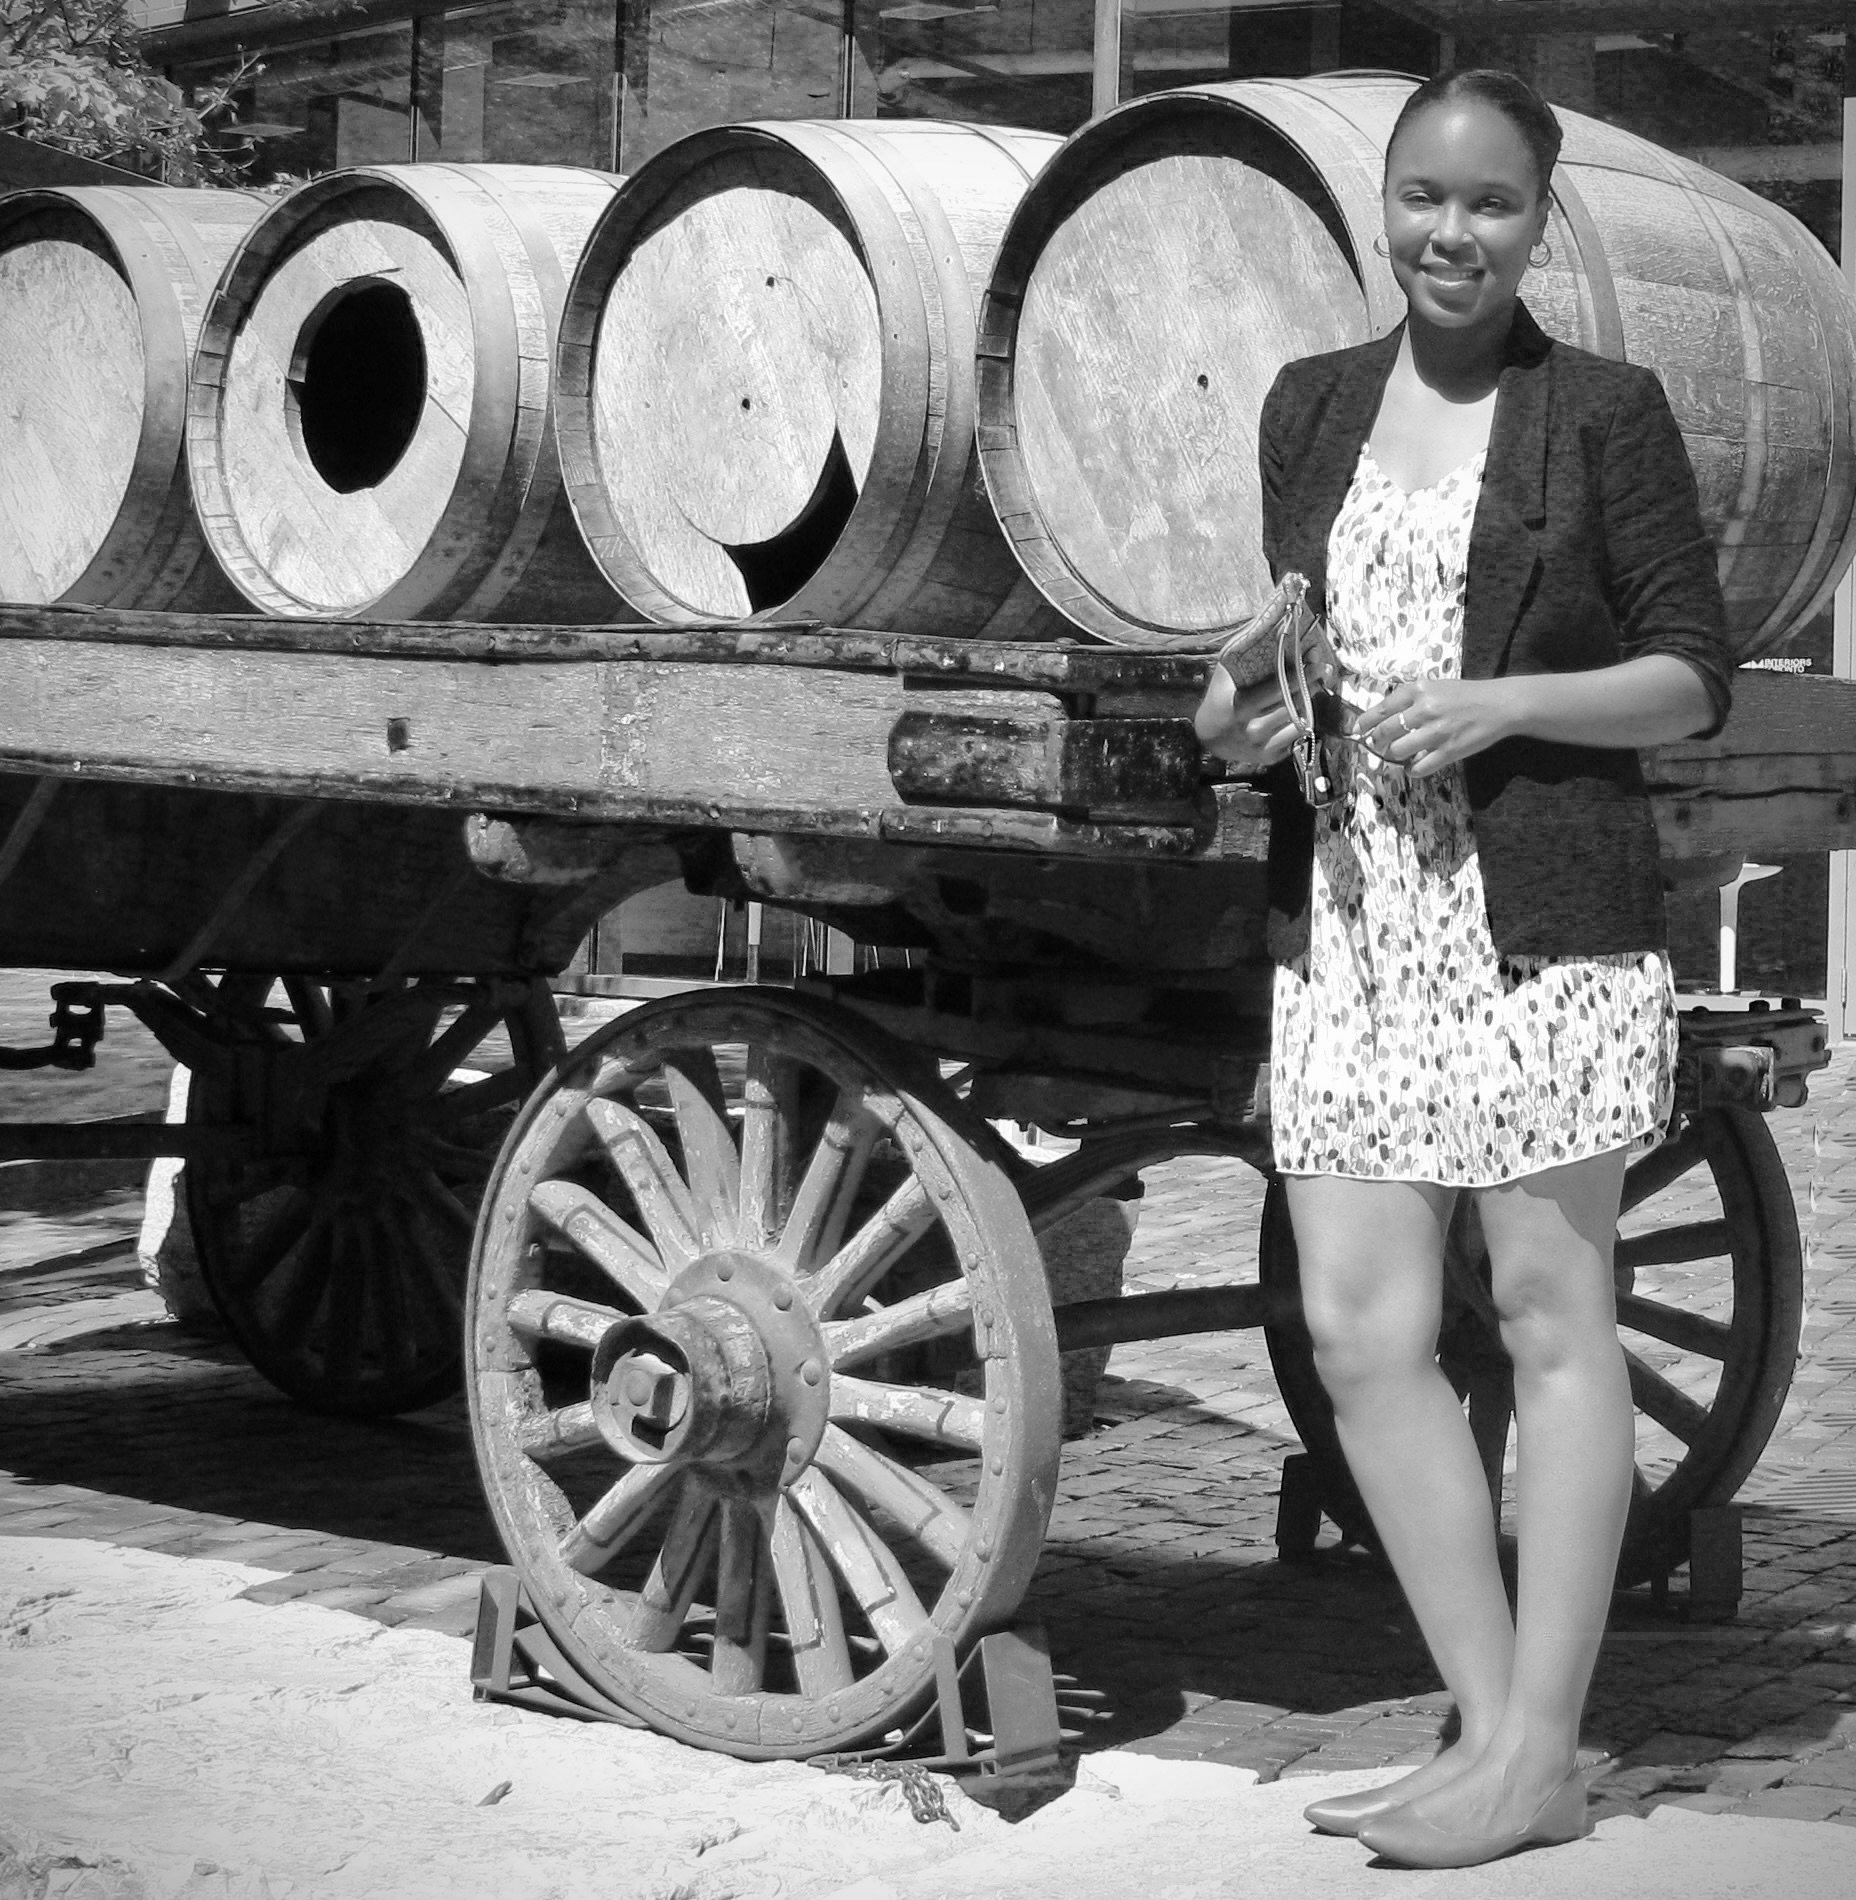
point(745, 1290)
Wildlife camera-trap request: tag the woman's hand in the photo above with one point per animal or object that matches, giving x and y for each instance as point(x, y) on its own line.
point(1428, 726)
point(1248, 728)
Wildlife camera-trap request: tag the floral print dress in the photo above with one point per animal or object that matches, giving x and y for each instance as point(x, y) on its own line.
point(1405, 1046)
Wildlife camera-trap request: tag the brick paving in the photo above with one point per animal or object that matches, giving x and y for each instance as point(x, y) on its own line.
point(142, 1436)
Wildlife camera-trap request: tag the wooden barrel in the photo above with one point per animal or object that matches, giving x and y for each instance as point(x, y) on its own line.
point(1181, 248)
point(370, 430)
point(766, 401)
point(102, 290)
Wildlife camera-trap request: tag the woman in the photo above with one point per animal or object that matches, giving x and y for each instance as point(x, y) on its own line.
point(1472, 992)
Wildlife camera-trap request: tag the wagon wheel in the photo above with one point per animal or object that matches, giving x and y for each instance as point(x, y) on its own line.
point(1709, 1275)
point(337, 1255)
point(703, 1254)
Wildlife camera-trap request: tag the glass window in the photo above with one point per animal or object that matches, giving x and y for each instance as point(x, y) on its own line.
point(695, 63)
point(1187, 43)
point(1759, 101)
point(311, 107)
point(1016, 62)
point(528, 83)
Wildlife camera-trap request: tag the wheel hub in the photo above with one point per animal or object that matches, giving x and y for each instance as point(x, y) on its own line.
point(731, 1370)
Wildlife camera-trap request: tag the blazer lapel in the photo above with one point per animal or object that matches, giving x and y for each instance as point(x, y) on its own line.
point(1327, 467)
point(1504, 538)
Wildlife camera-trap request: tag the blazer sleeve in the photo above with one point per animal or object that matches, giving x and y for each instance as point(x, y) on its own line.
point(1661, 572)
point(1273, 427)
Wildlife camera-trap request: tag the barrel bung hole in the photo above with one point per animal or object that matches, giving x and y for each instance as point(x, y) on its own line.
point(357, 385)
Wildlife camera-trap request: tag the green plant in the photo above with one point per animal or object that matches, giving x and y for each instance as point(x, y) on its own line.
point(72, 76)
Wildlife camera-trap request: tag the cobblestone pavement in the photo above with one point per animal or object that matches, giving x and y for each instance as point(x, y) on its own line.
point(1160, 1583)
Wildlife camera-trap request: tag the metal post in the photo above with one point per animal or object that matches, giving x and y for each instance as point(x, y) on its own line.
point(1840, 962)
point(1106, 91)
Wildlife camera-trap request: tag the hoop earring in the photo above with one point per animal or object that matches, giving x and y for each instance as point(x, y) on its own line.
point(1381, 247)
point(1541, 263)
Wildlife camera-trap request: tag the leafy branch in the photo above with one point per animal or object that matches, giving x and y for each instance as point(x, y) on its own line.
point(72, 76)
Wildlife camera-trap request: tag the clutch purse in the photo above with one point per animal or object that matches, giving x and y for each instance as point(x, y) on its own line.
point(1284, 638)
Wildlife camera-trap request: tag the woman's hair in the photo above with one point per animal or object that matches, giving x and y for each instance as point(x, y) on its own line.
point(1513, 97)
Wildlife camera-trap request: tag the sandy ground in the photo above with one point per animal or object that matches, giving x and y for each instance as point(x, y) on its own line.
point(161, 1737)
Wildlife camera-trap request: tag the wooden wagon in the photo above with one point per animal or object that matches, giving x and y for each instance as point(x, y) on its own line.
point(762, 1363)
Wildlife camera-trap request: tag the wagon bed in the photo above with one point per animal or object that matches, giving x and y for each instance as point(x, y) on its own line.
point(761, 1356)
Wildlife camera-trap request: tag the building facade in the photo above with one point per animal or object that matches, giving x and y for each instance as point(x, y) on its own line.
point(1753, 88)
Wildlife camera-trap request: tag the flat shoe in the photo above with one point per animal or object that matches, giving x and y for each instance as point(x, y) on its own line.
point(1412, 1841)
point(1347, 1813)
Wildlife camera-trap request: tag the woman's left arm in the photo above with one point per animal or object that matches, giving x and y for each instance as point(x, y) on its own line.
point(1434, 724)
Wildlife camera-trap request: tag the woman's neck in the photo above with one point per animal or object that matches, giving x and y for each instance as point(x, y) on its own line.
point(1459, 365)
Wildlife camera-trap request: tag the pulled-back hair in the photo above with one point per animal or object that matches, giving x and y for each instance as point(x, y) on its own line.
point(1513, 97)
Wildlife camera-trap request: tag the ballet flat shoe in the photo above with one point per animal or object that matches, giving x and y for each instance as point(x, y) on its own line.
point(1412, 1841)
point(1348, 1813)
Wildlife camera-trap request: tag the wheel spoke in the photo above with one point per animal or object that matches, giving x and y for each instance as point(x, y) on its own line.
point(1668, 1405)
point(689, 1548)
point(644, 1165)
point(620, 1252)
point(809, 1602)
point(872, 1251)
point(1674, 1246)
point(310, 1004)
point(934, 1417)
point(1662, 1167)
point(557, 1316)
point(430, 1072)
point(606, 1528)
point(254, 1263)
point(434, 1194)
point(867, 1565)
point(552, 1434)
point(822, 1201)
point(305, 1284)
point(768, 1105)
point(441, 1270)
point(743, 1601)
point(932, 1314)
point(386, 1286)
point(450, 1106)
point(710, 1164)
point(1691, 1332)
point(341, 1332)
point(924, 1511)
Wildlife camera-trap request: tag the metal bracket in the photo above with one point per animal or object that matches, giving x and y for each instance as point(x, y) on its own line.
point(77, 1028)
point(999, 1713)
point(514, 1659)
point(1715, 1566)
point(1758, 1058)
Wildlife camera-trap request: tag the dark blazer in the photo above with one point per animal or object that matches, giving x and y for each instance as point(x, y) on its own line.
point(1587, 548)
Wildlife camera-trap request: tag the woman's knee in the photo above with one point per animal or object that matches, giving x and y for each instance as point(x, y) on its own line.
point(1367, 1325)
point(1371, 1277)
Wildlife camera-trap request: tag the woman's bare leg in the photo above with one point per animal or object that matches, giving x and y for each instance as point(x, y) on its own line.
point(1371, 1257)
point(1550, 1241)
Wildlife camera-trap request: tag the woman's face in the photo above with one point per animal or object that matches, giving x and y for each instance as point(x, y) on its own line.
point(1463, 207)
